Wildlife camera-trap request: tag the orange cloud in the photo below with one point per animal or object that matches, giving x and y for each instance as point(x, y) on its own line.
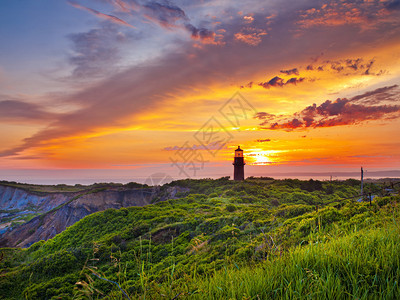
point(250, 35)
point(248, 19)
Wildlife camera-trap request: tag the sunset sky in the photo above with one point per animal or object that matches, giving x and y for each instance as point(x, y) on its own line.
point(117, 90)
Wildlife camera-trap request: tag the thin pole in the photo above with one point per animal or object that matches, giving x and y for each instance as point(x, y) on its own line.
point(362, 182)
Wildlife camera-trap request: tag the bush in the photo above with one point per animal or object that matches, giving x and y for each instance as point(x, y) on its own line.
point(302, 198)
point(382, 201)
point(230, 208)
point(274, 202)
point(230, 193)
point(330, 214)
point(291, 211)
point(311, 185)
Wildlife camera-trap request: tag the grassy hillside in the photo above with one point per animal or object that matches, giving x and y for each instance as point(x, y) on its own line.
point(257, 239)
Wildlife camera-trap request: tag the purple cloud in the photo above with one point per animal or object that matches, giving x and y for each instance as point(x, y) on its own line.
point(19, 111)
point(294, 71)
point(356, 110)
point(280, 82)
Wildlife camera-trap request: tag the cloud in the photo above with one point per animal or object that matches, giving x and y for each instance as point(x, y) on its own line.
point(356, 65)
point(167, 15)
point(365, 107)
point(290, 72)
point(263, 140)
point(263, 116)
point(310, 68)
point(211, 146)
point(280, 82)
point(202, 34)
point(250, 35)
point(366, 15)
point(350, 66)
point(96, 52)
point(19, 111)
point(294, 80)
point(276, 81)
point(123, 6)
point(248, 19)
point(289, 125)
point(111, 18)
point(121, 98)
point(387, 94)
point(28, 157)
point(392, 5)
point(117, 101)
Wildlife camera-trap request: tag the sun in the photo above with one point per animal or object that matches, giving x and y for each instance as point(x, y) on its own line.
point(263, 157)
point(259, 158)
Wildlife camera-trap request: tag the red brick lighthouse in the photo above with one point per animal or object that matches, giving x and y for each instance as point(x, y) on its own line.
point(238, 163)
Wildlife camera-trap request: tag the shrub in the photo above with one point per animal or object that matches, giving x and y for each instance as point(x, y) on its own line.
point(382, 201)
point(302, 198)
point(330, 214)
point(291, 211)
point(230, 208)
point(274, 202)
point(230, 193)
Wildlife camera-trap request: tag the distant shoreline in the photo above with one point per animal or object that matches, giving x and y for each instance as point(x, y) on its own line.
point(56, 177)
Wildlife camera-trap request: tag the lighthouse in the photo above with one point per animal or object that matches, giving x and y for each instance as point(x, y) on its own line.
point(238, 164)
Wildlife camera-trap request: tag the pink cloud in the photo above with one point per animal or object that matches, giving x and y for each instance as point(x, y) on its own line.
point(365, 15)
point(111, 18)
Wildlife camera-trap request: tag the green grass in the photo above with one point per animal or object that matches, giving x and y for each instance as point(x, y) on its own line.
point(34, 188)
point(362, 265)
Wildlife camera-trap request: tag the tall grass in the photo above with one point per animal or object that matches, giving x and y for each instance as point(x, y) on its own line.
point(362, 265)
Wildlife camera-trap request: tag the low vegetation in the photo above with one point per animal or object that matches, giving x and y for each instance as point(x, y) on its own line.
point(257, 239)
point(64, 188)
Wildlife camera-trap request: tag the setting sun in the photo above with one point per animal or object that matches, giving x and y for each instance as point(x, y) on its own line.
point(262, 157)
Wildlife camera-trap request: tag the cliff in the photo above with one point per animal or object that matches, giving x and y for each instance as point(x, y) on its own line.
point(12, 198)
point(61, 210)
